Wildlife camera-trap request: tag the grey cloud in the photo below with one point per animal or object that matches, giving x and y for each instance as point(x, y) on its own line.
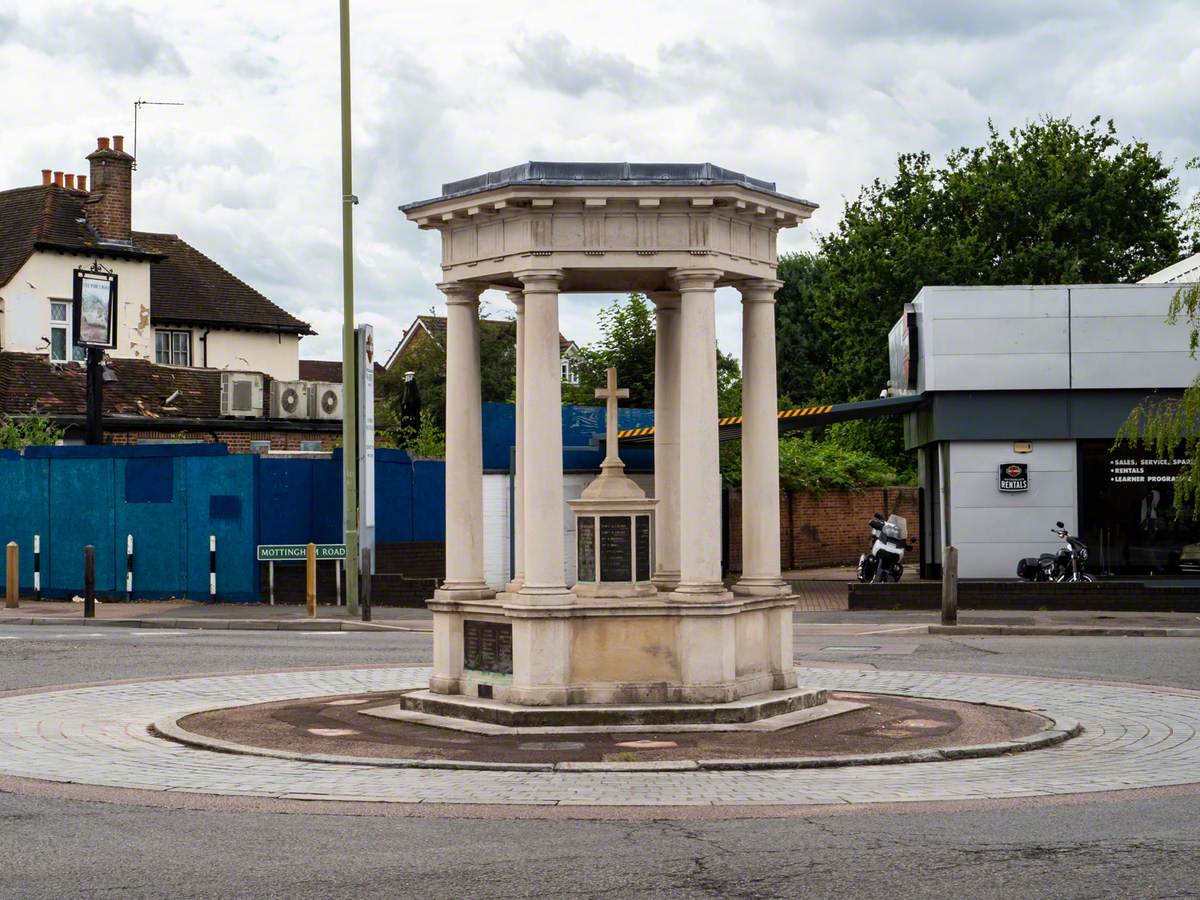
point(113, 38)
point(551, 61)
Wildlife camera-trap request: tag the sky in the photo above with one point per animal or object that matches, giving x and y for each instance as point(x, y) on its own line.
point(819, 97)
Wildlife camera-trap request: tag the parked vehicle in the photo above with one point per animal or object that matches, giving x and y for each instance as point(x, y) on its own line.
point(1064, 566)
point(889, 541)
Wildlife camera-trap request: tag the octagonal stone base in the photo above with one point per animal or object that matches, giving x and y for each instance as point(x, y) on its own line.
point(569, 650)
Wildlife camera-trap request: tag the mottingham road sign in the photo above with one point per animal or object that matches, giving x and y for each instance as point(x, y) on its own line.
point(298, 552)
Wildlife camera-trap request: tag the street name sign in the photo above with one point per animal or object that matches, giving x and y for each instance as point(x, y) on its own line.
point(298, 552)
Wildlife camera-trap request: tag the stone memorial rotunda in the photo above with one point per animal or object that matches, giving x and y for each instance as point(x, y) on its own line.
point(671, 633)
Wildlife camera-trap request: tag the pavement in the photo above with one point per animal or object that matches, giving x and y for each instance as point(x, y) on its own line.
point(1139, 843)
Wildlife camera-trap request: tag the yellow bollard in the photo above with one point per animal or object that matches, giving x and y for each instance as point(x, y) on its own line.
point(310, 565)
point(12, 576)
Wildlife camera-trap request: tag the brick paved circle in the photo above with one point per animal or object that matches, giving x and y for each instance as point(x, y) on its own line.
point(1135, 737)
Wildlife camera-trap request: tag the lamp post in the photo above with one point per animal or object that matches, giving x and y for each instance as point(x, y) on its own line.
point(349, 379)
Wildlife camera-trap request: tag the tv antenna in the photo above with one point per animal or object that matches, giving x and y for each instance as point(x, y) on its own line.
point(137, 105)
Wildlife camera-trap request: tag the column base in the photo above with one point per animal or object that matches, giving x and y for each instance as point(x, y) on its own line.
point(665, 580)
point(713, 592)
point(515, 585)
point(762, 587)
point(463, 592)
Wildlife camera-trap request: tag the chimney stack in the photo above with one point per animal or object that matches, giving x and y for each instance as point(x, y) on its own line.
point(108, 208)
point(82, 182)
point(46, 178)
point(58, 179)
point(70, 181)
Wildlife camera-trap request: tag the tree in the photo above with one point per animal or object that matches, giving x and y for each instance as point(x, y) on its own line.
point(19, 432)
point(802, 341)
point(1051, 202)
point(627, 342)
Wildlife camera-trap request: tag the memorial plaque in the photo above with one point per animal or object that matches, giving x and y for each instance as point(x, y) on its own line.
point(616, 549)
point(487, 646)
point(642, 535)
point(585, 529)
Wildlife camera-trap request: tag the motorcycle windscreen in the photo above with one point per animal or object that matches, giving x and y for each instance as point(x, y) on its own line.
point(896, 527)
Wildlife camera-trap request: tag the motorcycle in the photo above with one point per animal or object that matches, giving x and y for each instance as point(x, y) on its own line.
point(1064, 566)
point(889, 541)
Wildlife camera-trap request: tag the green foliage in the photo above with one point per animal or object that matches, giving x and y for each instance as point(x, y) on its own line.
point(1170, 428)
point(627, 342)
point(19, 432)
point(814, 466)
point(1051, 202)
point(426, 442)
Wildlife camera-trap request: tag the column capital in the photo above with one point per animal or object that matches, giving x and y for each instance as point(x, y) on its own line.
point(460, 291)
point(759, 290)
point(695, 279)
point(664, 299)
point(516, 296)
point(540, 279)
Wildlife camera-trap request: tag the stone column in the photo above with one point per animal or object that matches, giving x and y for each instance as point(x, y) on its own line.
point(699, 464)
point(517, 298)
point(542, 484)
point(666, 440)
point(760, 443)
point(464, 446)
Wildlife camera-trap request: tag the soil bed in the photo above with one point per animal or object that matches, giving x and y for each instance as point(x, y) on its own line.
point(333, 725)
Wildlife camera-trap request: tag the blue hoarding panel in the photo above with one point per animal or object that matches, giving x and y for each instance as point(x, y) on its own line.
point(159, 530)
point(236, 535)
point(24, 509)
point(429, 500)
point(82, 511)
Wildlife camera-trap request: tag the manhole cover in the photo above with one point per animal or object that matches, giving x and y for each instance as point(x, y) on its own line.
point(647, 745)
point(332, 732)
point(551, 745)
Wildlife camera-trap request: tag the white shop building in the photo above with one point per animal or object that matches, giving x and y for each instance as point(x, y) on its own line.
point(1021, 392)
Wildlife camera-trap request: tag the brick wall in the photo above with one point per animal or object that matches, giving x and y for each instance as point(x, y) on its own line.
point(829, 528)
point(238, 441)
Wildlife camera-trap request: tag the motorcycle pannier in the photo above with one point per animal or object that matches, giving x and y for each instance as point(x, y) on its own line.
point(1028, 567)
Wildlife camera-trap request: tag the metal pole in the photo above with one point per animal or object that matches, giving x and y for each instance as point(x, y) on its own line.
point(349, 382)
point(271, 580)
point(89, 582)
point(95, 397)
point(366, 582)
point(12, 576)
point(310, 579)
point(950, 586)
point(337, 581)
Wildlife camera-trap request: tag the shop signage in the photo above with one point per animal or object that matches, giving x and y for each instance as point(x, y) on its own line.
point(95, 311)
point(1014, 477)
point(298, 552)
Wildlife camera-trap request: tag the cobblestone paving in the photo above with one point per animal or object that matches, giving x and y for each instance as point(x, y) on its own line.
point(1135, 738)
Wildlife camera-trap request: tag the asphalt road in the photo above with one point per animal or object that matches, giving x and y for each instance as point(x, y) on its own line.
point(1112, 847)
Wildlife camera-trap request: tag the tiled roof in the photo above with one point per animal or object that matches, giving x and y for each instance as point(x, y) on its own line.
point(436, 326)
point(30, 383)
point(45, 216)
point(188, 287)
point(185, 285)
point(327, 370)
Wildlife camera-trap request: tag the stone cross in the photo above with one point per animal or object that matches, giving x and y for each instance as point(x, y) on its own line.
point(611, 393)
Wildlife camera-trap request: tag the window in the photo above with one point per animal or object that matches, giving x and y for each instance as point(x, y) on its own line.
point(173, 348)
point(569, 375)
point(62, 348)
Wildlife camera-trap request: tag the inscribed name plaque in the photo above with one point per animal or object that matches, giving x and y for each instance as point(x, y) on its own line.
point(487, 646)
point(586, 533)
point(616, 549)
point(642, 547)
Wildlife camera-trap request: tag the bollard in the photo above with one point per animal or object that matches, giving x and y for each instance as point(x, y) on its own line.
point(37, 567)
point(212, 568)
point(129, 567)
point(950, 586)
point(364, 583)
point(310, 566)
point(89, 582)
point(12, 577)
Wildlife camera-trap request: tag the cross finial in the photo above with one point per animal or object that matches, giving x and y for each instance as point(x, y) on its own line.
point(611, 393)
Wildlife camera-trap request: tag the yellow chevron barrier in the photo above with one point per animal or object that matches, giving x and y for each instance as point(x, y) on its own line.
point(737, 420)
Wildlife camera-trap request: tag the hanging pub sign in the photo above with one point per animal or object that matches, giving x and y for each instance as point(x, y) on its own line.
point(95, 313)
point(1014, 477)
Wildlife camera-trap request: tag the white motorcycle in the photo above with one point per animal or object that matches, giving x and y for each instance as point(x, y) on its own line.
point(889, 542)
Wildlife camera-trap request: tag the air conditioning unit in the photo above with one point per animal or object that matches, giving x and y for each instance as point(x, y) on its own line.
point(242, 394)
point(327, 400)
point(291, 399)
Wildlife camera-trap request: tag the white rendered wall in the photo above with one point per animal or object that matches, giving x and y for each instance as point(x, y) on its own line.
point(45, 276)
point(276, 354)
point(993, 530)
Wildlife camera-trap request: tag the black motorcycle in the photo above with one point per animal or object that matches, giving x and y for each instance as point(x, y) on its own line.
point(1064, 566)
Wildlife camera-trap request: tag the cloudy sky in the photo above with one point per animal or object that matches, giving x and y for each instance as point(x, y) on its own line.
point(817, 96)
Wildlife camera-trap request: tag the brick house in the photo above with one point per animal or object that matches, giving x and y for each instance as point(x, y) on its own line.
point(188, 331)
